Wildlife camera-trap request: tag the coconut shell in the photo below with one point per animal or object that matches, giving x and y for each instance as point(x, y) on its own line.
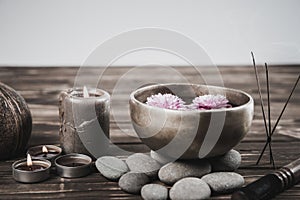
point(15, 123)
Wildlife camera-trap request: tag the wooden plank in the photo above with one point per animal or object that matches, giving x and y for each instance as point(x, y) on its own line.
point(41, 87)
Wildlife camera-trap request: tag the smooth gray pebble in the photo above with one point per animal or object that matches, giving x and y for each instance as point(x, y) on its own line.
point(162, 159)
point(132, 182)
point(154, 192)
point(111, 167)
point(230, 161)
point(143, 163)
point(190, 188)
point(224, 182)
point(174, 171)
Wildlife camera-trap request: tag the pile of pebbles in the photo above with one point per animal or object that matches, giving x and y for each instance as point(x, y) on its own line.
point(188, 179)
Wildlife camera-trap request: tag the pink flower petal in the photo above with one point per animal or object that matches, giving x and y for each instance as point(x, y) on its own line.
point(168, 101)
point(207, 102)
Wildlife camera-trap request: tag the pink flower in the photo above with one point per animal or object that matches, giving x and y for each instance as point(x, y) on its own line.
point(207, 102)
point(167, 101)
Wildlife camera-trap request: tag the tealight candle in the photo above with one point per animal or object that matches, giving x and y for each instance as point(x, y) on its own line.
point(73, 165)
point(84, 116)
point(48, 152)
point(31, 170)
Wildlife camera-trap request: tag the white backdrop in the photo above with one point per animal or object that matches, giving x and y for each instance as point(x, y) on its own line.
point(64, 32)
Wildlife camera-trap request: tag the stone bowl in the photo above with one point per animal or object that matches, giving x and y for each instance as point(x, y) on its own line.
point(190, 134)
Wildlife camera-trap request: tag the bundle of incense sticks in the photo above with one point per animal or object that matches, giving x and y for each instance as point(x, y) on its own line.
point(267, 122)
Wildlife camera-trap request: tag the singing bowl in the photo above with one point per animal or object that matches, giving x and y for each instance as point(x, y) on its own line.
point(191, 134)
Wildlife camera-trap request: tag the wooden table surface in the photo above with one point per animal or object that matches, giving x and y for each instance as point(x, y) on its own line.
point(41, 86)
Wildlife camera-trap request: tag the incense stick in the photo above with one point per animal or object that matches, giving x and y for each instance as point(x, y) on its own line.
point(263, 113)
point(269, 116)
point(274, 128)
point(259, 91)
point(268, 93)
point(268, 128)
point(262, 152)
point(285, 105)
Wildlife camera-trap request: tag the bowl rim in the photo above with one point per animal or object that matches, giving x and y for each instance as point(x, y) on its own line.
point(73, 92)
point(143, 88)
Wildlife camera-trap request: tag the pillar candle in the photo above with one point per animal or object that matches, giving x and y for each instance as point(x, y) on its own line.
point(84, 120)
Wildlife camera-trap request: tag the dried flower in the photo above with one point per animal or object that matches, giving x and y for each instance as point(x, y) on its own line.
point(168, 101)
point(207, 102)
point(173, 102)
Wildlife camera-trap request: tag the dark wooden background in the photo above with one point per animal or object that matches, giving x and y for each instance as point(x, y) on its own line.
point(41, 86)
